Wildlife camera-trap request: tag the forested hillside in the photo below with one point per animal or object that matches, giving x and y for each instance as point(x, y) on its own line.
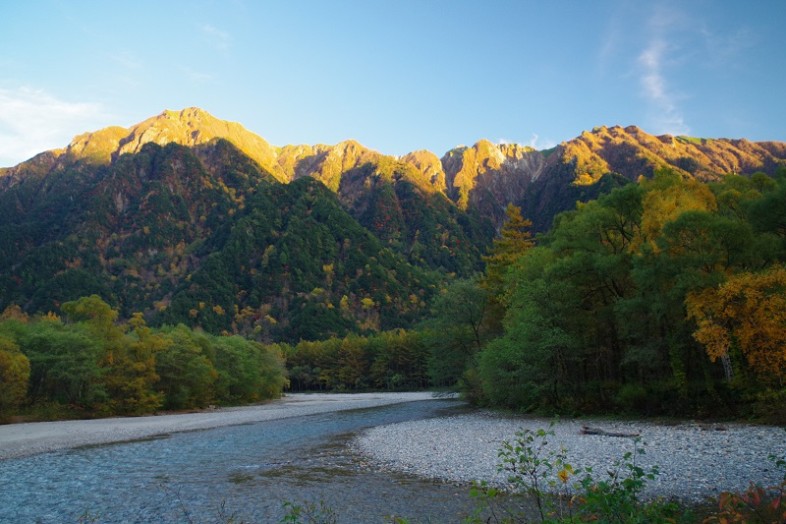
point(207, 238)
point(666, 297)
point(658, 287)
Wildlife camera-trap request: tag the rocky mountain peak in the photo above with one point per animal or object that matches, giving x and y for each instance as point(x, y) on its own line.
point(488, 171)
point(429, 165)
point(189, 127)
point(484, 177)
point(632, 152)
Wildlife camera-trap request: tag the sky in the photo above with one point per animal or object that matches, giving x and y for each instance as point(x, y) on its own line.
point(395, 75)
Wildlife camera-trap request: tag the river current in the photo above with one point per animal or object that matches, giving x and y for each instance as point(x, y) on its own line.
point(232, 474)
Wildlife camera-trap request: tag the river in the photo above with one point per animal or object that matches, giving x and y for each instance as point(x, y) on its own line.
point(231, 474)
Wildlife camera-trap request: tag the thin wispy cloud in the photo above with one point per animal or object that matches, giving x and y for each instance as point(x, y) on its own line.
point(665, 114)
point(32, 121)
point(606, 51)
point(217, 38)
point(652, 78)
point(612, 41)
point(536, 142)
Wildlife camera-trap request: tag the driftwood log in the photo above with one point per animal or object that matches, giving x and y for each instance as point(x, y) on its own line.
point(587, 430)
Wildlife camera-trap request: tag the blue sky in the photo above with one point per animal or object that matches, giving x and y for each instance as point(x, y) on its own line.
point(395, 75)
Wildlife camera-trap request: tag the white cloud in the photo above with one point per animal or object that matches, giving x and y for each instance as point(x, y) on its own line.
point(32, 121)
point(216, 37)
point(534, 142)
point(652, 78)
point(726, 50)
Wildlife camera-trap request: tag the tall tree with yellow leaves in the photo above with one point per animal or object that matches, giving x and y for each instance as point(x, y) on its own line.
point(747, 312)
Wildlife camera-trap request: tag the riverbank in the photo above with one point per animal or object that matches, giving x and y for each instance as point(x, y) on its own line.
point(239, 473)
point(18, 440)
point(695, 460)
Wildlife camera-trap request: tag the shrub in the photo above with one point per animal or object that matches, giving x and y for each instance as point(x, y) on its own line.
point(547, 477)
point(765, 505)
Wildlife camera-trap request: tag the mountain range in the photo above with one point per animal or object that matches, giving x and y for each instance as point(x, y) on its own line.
point(192, 219)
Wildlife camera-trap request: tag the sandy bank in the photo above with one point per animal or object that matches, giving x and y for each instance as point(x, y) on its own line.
point(18, 440)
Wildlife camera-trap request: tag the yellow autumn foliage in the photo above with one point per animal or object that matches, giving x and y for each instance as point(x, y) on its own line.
point(748, 311)
point(667, 198)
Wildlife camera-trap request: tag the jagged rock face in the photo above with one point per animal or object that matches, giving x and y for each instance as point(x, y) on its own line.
point(189, 127)
point(483, 178)
point(430, 166)
point(36, 167)
point(298, 161)
point(351, 170)
point(325, 163)
point(487, 176)
point(632, 153)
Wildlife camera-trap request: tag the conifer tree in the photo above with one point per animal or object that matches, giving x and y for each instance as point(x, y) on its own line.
point(514, 240)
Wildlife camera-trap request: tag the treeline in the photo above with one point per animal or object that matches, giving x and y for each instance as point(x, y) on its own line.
point(391, 360)
point(434, 355)
point(87, 363)
point(667, 296)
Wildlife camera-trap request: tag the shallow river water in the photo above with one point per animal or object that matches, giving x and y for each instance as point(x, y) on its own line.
point(238, 473)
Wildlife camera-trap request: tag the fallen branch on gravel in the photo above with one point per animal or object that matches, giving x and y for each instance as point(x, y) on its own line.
point(586, 430)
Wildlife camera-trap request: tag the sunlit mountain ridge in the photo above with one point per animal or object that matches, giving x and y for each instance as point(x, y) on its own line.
point(189, 218)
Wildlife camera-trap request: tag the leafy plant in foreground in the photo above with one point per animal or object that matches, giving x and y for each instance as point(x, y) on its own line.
point(545, 476)
point(309, 513)
point(765, 505)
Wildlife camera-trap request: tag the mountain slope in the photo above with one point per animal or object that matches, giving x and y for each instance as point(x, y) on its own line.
point(191, 219)
point(189, 127)
point(205, 237)
point(481, 179)
point(295, 265)
point(632, 153)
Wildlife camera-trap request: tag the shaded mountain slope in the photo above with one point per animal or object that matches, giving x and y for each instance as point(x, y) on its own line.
point(203, 236)
point(192, 219)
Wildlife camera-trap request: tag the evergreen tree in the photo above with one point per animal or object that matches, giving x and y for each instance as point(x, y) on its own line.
point(515, 239)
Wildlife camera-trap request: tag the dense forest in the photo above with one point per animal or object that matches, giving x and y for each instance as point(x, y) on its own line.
point(215, 243)
point(664, 297)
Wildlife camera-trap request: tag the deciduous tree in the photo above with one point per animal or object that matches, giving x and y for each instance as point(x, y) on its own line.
point(14, 375)
point(747, 312)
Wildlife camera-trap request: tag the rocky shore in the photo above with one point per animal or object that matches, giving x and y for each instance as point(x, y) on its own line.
point(695, 460)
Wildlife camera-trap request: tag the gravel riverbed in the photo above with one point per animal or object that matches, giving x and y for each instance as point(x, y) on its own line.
point(695, 460)
point(19, 440)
